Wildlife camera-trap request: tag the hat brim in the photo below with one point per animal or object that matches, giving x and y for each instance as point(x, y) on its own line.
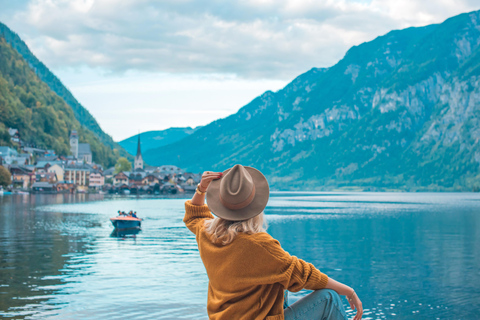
point(258, 204)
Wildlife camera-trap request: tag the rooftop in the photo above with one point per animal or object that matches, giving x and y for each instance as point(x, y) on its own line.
point(84, 148)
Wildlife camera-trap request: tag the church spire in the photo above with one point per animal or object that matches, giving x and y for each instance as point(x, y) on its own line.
point(138, 163)
point(139, 152)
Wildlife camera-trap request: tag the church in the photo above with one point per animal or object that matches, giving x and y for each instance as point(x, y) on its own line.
point(138, 163)
point(80, 151)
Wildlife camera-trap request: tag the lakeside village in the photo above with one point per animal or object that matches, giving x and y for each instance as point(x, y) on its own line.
point(35, 170)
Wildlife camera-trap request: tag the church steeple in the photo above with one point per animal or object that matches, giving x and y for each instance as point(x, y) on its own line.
point(139, 152)
point(138, 164)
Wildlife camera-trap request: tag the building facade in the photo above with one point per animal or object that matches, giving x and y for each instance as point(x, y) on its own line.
point(78, 175)
point(120, 178)
point(97, 180)
point(58, 170)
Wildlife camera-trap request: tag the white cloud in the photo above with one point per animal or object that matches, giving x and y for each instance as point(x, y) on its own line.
point(253, 39)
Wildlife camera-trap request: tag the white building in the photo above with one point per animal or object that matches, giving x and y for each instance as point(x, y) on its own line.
point(80, 151)
point(97, 180)
point(78, 175)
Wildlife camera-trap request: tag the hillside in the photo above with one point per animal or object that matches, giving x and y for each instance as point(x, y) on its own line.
point(42, 117)
point(156, 139)
point(400, 112)
point(81, 114)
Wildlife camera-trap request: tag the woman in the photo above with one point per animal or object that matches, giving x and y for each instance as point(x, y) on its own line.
point(248, 270)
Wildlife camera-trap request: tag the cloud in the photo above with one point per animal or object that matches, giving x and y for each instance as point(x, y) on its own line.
point(249, 38)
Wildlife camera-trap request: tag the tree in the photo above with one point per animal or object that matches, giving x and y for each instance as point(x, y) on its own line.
point(122, 165)
point(5, 177)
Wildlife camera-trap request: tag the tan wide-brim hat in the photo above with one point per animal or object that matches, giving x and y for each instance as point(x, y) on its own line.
point(240, 194)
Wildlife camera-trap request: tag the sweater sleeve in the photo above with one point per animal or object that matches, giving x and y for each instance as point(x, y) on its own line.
point(304, 275)
point(195, 215)
point(293, 273)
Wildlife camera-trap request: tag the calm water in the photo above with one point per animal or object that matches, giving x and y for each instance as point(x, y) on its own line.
point(409, 256)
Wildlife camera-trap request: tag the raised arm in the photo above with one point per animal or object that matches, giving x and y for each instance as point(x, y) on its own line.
point(198, 198)
point(297, 274)
point(195, 209)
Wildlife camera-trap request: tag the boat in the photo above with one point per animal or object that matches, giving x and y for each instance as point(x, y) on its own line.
point(122, 222)
point(2, 191)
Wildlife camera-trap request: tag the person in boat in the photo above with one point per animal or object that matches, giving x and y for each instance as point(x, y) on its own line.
point(134, 214)
point(248, 270)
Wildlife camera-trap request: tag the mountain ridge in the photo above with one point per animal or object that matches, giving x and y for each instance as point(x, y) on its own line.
point(42, 71)
point(156, 138)
point(383, 117)
point(43, 118)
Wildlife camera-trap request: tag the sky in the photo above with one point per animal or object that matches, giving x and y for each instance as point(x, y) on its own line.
point(141, 65)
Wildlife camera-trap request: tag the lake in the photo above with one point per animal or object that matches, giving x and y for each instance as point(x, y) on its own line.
point(407, 255)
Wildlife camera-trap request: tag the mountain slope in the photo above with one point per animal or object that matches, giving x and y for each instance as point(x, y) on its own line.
point(399, 112)
point(156, 139)
point(81, 114)
point(42, 117)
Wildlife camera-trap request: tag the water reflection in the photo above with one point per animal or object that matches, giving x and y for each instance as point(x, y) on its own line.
point(407, 255)
point(125, 233)
point(34, 251)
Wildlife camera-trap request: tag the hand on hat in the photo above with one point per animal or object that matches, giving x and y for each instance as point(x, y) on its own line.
point(207, 177)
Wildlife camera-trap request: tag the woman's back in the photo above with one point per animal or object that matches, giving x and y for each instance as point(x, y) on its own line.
point(247, 277)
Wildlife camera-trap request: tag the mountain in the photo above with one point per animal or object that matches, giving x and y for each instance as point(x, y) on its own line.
point(401, 112)
point(42, 117)
point(81, 114)
point(156, 139)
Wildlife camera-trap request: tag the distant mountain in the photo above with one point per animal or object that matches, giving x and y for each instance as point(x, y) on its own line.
point(155, 139)
point(81, 114)
point(41, 116)
point(400, 112)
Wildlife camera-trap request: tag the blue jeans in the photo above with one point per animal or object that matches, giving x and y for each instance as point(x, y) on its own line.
point(324, 304)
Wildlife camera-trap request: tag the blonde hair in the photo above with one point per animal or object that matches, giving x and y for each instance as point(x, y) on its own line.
point(226, 230)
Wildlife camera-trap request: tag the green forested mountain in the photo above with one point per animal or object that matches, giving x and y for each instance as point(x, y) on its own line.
point(81, 114)
point(42, 117)
point(400, 112)
point(156, 139)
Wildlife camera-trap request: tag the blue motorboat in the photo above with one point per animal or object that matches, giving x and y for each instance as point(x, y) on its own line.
point(128, 222)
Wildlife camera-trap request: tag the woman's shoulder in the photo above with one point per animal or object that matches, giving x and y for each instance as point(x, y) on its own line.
point(255, 236)
point(262, 239)
point(263, 242)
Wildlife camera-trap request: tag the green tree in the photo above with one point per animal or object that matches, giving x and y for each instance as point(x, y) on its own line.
point(5, 177)
point(122, 165)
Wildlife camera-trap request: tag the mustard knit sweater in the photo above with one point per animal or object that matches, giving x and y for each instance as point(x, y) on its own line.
point(247, 276)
